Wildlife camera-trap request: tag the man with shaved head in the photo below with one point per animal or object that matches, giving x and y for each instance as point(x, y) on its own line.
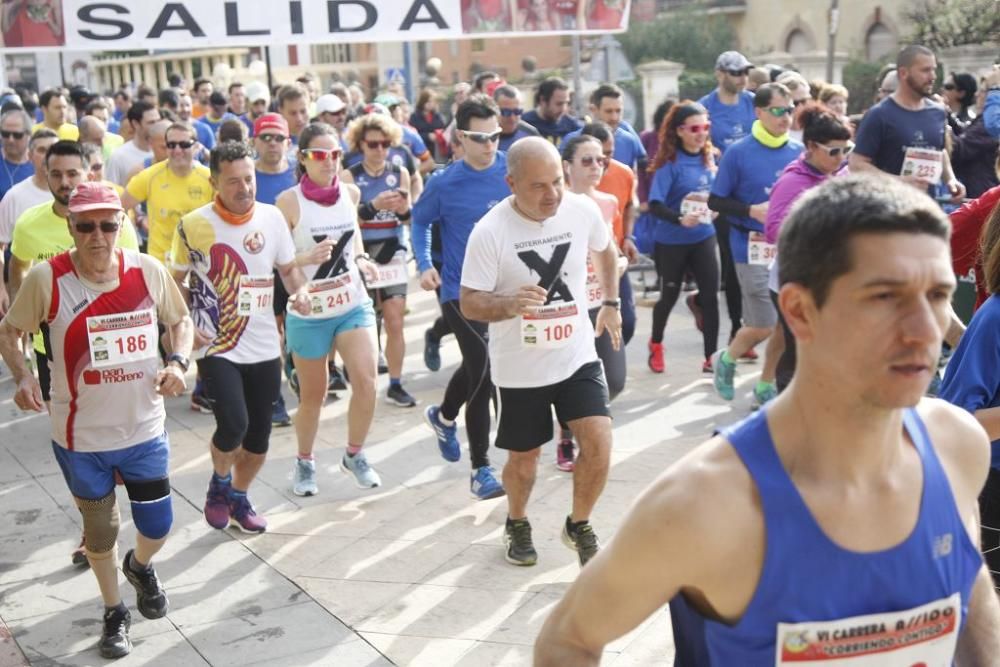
point(525, 273)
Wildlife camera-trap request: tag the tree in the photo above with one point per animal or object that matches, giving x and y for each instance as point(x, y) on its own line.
point(686, 36)
point(939, 24)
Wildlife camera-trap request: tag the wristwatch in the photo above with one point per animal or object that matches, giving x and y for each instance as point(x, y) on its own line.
point(612, 303)
point(181, 361)
point(363, 255)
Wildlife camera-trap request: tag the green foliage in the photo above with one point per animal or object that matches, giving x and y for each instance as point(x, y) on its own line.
point(683, 36)
point(940, 24)
point(861, 80)
point(695, 85)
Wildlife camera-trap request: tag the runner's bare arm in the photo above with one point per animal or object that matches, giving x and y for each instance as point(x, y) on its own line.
point(28, 395)
point(18, 270)
point(490, 307)
point(288, 204)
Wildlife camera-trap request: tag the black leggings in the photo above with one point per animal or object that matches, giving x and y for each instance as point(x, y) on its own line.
point(242, 398)
point(734, 299)
point(440, 328)
point(786, 363)
point(471, 384)
point(671, 263)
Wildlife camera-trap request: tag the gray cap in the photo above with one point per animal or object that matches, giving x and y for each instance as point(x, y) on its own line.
point(732, 60)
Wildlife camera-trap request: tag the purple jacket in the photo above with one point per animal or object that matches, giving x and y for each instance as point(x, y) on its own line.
point(797, 177)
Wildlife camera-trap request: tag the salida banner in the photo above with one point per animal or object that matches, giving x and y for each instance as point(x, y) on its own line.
point(147, 24)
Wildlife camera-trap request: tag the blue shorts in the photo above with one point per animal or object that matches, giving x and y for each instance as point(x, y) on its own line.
point(312, 338)
point(91, 475)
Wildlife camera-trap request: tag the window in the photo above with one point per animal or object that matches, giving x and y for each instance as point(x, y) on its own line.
point(880, 42)
point(331, 53)
point(798, 43)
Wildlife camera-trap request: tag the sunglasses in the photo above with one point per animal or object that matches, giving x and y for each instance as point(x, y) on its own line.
point(778, 112)
point(589, 160)
point(89, 227)
point(737, 72)
point(696, 129)
point(482, 137)
point(8, 134)
point(375, 145)
point(507, 113)
point(321, 154)
point(180, 144)
point(835, 151)
point(271, 138)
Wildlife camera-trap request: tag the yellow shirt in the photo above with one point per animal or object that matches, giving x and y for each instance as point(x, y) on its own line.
point(111, 142)
point(168, 197)
point(66, 131)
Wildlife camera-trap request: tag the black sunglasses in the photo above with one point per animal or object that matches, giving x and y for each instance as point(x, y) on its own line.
point(950, 86)
point(89, 227)
point(9, 134)
point(271, 138)
point(507, 113)
point(180, 144)
point(737, 72)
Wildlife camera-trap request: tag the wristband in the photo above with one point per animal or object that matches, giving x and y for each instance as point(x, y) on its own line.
point(612, 303)
point(180, 360)
point(367, 211)
point(630, 238)
point(363, 255)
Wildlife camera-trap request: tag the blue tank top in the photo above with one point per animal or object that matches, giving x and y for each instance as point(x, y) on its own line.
point(808, 579)
point(385, 226)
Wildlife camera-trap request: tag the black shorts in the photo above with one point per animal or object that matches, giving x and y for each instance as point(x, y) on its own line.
point(525, 421)
point(280, 295)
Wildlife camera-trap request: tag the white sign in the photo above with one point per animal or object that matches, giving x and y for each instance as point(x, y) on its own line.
point(256, 295)
point(550, 326)
point(121, 339)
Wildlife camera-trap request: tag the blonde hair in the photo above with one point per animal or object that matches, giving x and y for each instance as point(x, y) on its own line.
point(832, 90)
point(373, 122)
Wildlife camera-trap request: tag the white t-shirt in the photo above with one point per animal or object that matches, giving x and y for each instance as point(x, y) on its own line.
point(232, 286)
point(123, 162)
point(19, 199)
point(506, 251)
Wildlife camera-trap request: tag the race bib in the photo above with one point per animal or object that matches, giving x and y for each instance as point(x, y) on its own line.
point(332, 297)
point(759, 251)
point(923, 163)
point(256, 295)
point(549, 327)
point(697, 203)
point(595, 295)
point(120, 339)
point(396, 272)
point(924, 636)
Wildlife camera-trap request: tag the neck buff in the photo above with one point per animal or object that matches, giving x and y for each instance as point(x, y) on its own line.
point(229, 216)
point(761, 134)
point(324, 196)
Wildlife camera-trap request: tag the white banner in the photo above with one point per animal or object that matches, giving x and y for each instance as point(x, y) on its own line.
point(197, 24)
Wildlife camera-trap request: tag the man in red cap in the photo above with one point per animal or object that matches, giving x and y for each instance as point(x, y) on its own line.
point(101, 306)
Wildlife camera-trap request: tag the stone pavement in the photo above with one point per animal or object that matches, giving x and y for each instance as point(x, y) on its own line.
point(411, 573)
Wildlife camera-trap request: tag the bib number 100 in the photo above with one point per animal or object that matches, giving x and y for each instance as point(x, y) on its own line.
point(557, 332)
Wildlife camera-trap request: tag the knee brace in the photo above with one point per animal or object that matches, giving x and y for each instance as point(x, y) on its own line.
point(100, 523)
point(152, 507)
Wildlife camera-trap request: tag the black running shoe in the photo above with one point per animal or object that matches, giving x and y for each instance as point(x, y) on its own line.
point(337, 382)
point(150, 597)
point(114, 638)
point(396, 395)
point(580, 538)
point(517, 537)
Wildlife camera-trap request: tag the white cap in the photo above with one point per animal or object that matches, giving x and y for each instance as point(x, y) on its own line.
point(257, 91)
point(329, 103)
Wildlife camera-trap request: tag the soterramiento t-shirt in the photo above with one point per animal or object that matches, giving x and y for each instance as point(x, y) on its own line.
point(507, 251)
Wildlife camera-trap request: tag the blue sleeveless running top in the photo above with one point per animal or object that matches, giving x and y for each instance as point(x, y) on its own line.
point(812, 592)
point(385, 225)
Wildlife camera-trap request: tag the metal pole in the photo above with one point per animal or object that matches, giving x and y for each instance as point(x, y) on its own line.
point(577, 78)
point(609, 44)
point(267, 63)
point(831, 44)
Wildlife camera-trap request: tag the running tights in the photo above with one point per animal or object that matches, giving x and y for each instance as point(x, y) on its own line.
point(471, 383)
point(671, 263)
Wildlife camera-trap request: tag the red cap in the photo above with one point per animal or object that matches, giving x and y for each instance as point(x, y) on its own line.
point(274, 122)
point(90, 196)
point(491, 87)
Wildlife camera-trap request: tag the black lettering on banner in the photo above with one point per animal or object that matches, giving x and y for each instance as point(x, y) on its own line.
point(233, 22)
point(295, 14)
point(333, 12)
point(162, 23)
point(336, 265)
point(433, 15)
point(88, 14)
point(550, 273)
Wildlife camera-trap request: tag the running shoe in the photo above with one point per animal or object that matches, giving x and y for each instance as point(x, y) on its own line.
point(447, 436)
point(432, 351)
point(484, 484)
point(243, 516)
point(150, 596)
point(279, 413)
point(689, 285)
point(517, 539)
point(763, 395)
point(398, 396)
point(750, 355)
point(114, 637)
point(364, 475)
point(200, 402)
point(699, 315)
point(217, 504)
point(383, 365)
point(565, 454)
point(305, 478)
point(706, 366)
point(79, 556)
point(337, 381)
point(580, 538)
point(722, 376)
point(656, 357)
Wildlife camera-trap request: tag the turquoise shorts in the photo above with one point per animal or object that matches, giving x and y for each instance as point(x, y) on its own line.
point(312, 338)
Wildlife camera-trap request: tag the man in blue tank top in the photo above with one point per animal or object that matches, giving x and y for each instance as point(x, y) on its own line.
point(860, 492)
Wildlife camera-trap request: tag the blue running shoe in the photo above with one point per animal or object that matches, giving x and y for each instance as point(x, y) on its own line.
point(447, 436)
point(723, 376)
point(484, 484)
point(279, 413)
point(432, 351)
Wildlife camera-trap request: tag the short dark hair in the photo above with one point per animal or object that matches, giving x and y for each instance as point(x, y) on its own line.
point(198, 83)
point(598, 130)
point(95, 104)
point(228, 151)
point(41, 133)
point(814, 247)
point(145, 91)
point(477, 82)
point(138, 110)
point(476, 105)
point(66, 147)
point(122, 93)
point(605, 90)
point(909, 53)
point(966, 84)
point(46, 97)
point(569, 150)
point(174, 79)
point(661, 113)
point(291, 92)
point(169, 97)
point(233, 129)
point(766, 93)
point(506, 90)
point(820, 125)
point(234, 84)
point(547, 88)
